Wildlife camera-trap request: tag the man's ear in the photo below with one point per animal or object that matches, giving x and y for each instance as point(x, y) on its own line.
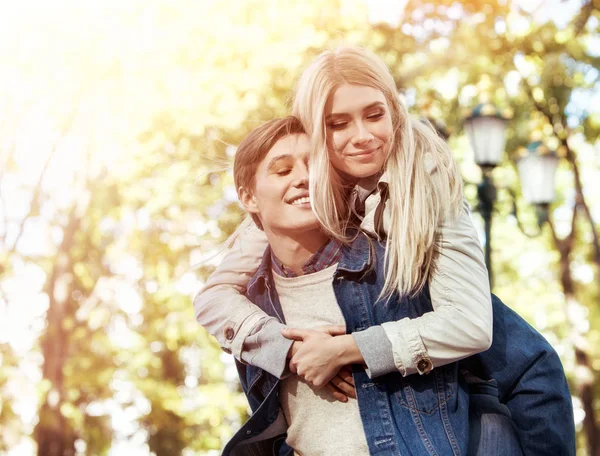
point(248, 201)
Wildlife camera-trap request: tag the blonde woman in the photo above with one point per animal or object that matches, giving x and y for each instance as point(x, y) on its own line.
point(406, 188)
point(404, 175)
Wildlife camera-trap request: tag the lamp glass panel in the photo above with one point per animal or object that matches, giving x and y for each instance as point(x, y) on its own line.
point(537, 178)
point(487, 137)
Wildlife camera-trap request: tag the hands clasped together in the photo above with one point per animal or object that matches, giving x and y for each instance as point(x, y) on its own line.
point(322, 357)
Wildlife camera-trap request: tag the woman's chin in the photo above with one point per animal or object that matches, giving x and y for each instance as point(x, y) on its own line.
point(362, 172)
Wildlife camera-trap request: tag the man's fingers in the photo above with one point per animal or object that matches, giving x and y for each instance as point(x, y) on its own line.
point(292, 366)
point(294, 334)
point(336, 393)
point(332, 330)
point(343, 386)
point(346, 374)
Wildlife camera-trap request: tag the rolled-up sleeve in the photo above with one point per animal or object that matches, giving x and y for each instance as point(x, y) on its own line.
point(265, 347)
point(376, 350)
point(220, 306)
point(461, 324)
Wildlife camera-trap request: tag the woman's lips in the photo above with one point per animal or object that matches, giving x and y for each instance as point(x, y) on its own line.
point(364, 153)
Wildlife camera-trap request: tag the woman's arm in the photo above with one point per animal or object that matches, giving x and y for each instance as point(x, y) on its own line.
point(240, 327)
point(321, 354)
point(461, 324)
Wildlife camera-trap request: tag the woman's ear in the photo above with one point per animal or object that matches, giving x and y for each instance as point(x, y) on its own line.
point(248, 201)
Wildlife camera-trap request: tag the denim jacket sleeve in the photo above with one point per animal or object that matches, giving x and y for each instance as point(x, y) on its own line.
point(531, 382)
point(461, 324)
point(240, 327)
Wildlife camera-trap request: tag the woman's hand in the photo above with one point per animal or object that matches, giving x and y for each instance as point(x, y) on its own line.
point(341, 386)
point(317, 356)
point(332, 330)
point(317, 359)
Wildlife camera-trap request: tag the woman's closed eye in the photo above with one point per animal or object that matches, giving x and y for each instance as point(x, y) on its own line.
point(337, 125)
point(283, 171)
point(376, 116)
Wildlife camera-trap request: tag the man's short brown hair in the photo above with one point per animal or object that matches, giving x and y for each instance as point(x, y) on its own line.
point(256, 145)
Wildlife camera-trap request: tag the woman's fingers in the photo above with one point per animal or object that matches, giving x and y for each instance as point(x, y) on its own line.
point(332, 330)
point(293, 349)
point(294, 333)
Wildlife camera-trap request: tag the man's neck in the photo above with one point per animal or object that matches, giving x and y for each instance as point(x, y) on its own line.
point(296, 249)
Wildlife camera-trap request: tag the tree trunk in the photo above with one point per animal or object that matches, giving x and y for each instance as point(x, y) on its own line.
point(584, 383)
point(53, 434)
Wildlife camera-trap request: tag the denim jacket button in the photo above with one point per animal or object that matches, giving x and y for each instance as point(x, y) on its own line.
point(229, 333)
point(424, 366)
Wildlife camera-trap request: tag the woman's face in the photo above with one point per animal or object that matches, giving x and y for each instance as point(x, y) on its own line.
point(359, 130)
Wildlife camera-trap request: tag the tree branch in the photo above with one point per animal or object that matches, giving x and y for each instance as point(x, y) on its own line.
point(572, 160)
point(34, 201)
point(584, 15)
point(4, 214)
point(580, 200)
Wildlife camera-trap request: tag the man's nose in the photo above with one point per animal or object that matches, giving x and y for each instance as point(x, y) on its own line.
point(301, 181)
point(301, 177)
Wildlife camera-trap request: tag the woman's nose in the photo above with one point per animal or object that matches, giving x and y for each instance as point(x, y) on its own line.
point(361, 134)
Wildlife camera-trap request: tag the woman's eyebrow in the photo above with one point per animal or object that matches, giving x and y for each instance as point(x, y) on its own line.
point(375, 104)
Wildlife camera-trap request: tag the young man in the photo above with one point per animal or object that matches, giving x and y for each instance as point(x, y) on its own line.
point(308, 280)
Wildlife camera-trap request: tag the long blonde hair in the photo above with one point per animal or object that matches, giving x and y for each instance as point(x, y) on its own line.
point(425, 186)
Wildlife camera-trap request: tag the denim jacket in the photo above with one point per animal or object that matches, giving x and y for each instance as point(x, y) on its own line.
point(413, 415)
point(417, 414)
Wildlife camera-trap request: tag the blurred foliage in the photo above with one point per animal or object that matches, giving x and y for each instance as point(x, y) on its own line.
point(115, 208)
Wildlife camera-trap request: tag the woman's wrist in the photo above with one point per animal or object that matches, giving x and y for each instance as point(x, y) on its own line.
point(347, 350)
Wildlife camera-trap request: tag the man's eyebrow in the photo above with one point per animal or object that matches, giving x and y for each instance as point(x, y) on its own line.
point(275, 160)
point(372, 105)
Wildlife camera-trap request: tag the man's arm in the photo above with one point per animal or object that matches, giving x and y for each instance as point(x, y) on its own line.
point(531, 382)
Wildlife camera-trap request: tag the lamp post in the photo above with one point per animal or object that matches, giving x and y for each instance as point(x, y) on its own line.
point(536, 164)
point(486, 127)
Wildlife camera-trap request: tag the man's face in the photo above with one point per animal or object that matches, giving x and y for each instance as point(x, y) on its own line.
point(280, 197)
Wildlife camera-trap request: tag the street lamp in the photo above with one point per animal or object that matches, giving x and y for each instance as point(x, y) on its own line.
point(486, 128)
point(536, 164)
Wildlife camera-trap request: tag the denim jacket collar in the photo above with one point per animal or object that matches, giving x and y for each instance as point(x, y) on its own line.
point(358, 256)
point(262, 274)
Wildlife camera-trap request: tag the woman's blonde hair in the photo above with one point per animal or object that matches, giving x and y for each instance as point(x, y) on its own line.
point(425, 186)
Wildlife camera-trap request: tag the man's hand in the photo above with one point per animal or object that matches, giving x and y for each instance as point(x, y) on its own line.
point(341, 386)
